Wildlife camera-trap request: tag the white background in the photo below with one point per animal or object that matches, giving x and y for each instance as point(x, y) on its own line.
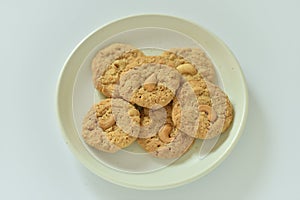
point(37, 37)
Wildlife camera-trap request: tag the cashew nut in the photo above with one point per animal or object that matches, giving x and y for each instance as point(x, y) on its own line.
point(150, 83)
point(187, 69)
point(118, 63)
point(106, 123)
point(211, 113)
point(172, 56)
point(164, 133)
point(133, 112)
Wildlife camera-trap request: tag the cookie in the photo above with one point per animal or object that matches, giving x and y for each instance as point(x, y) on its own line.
point(168, 142)
point(167, 58)
point(110, 125)
point(109, 63)
point(149, 85)
point(153, 120)
point(202, 110)
point(201, 66)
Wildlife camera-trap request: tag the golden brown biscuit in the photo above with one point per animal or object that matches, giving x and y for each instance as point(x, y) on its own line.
point(149, 85)
point(110, 125)
point(202, 110)
point(109, 63)
point(200, 64)
point(168, 142)
point(167, 58)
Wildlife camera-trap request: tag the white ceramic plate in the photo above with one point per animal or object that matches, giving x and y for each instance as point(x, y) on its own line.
point(132, 167)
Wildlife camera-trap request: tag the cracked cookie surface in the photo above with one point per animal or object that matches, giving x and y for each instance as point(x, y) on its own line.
point(202, 110)
point(149, 85)
point(168, 142)
point(110, 125)
point(197, 58)
point(109, 63)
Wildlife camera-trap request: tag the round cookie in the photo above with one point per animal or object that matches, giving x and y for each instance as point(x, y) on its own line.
point(149, 85)
point(110, 125)
point(202, 110)
point(168, 142)
point(109, 63)
point(198, 58)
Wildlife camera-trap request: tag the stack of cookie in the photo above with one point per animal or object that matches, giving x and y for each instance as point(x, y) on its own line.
point(163, 102)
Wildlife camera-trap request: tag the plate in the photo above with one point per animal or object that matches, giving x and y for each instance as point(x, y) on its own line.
point(132, 167)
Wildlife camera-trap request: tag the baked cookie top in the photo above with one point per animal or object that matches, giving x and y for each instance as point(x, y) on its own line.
point(149, 85)
point(110, 125)
point(201, 109)
point(200, 64)
point(168, 142)
point(109, 63)
point(153, 120)
point(167, 58)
